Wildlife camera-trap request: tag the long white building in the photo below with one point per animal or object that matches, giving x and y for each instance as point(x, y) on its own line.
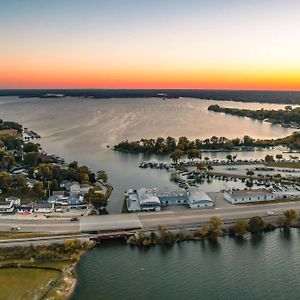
point(248, 196)
point(152, 199)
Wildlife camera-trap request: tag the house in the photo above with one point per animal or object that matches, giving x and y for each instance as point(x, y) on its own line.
point(74, 200)
point(58, 193)
point(6, 207)
point(84, 188)
point(72, 187)
point(31, 182)
point(248, 196)
point(198, 198)
point(15, 200)
point(65, 183)
point(143, 200)
point(43, 207)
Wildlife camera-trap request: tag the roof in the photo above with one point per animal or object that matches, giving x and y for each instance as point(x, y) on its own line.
point(85, 186)
point(251, 192)
point(11, 132)
point(42, 205)
point(24, 207)
point(146, 196)
point(168, 192)
point(12, 198)
point(5, 203)
point(65, 182)
point(197, 195)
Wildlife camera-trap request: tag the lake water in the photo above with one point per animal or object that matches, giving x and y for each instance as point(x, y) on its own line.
point(80, 129)
point(264, 267)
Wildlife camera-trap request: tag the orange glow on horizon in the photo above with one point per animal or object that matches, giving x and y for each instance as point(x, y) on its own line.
point(84, 77)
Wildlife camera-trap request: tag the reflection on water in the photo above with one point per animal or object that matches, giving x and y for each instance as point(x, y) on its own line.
point(263, 267)
point(80, 129)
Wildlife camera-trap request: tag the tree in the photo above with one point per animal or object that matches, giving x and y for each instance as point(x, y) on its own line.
point(176, 155)
point(229, 157)
point(30, 159)
point(279, 156)
point(97, 198)
point(44, 172)
point(250, 173)
point(30, 147)
point(210, 168)
point(240, 227)
point(215, 229)
point(194, 153)
point(249, 184)
point(53, 185)
point(73, 165)
point(31, 172)
point(290, 218)
point(38, 188)
point(101, 175)
point(269, 158)
point(248, 141)
point(7, 161)
point(5, 181)
point(171, 143)
point(256, 224)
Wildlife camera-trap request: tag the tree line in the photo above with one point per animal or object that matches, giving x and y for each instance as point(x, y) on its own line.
point(213, 229)
point(192, 149)
point(286, 116)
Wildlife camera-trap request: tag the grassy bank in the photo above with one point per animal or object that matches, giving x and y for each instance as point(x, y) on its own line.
point(27, 283)
point(40, 271)
point(24, 235)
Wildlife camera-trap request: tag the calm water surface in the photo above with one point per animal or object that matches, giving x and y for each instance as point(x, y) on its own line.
point(80, 129)
point(264, 267)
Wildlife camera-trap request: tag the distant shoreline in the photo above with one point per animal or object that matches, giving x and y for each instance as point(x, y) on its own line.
point(274, 97)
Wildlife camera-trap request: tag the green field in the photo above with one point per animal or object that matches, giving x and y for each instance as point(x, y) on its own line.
point(23, 284)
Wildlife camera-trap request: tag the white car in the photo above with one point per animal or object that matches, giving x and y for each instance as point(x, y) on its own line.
point(270, 213)
point(18, 228)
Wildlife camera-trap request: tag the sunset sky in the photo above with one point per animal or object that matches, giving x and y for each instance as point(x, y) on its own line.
point(219, 44)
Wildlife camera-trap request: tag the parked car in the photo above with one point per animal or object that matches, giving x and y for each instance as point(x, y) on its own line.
point(17, 228)
point(74, 219)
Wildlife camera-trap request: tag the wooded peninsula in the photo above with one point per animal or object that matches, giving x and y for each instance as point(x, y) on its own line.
point(183, 146)
point(287, 117)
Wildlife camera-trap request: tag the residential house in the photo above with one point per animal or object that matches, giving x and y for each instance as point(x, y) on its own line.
point(6, 207)
point(15, 200)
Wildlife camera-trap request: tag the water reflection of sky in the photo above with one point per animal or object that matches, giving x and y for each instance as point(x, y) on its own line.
point(81, 129)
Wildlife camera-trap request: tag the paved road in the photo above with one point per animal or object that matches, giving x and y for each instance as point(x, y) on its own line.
point(147, 220)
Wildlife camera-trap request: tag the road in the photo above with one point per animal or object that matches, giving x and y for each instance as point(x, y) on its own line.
point(146, 221)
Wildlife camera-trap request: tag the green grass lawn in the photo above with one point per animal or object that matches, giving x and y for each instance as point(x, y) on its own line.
point(23, 284)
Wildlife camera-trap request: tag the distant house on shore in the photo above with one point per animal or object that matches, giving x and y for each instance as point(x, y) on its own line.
point(15, 200)
point(6, 206)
